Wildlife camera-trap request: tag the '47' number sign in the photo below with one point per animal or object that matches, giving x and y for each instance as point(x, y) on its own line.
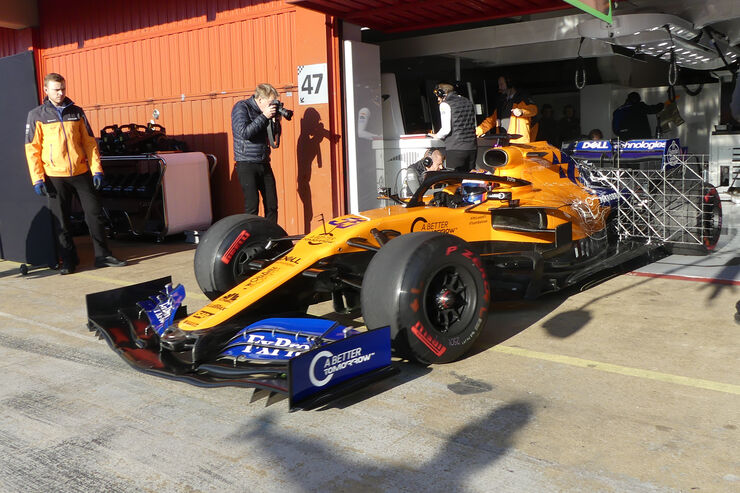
point(312, 84)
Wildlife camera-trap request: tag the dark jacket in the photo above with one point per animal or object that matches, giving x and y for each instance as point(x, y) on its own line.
point(630, 121)
point(462, 121)
point(249, 127)
point(60, 146)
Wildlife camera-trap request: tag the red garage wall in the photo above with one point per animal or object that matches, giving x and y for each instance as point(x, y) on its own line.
point(14, 41)
point(192, 60)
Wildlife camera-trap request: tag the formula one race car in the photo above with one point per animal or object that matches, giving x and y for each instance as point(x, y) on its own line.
point(423, 270)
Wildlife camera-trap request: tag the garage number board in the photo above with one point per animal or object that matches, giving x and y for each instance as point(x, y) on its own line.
point(312, 84)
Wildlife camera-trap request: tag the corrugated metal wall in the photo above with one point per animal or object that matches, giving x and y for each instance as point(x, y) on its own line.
point(192, 60)
point(14, 41)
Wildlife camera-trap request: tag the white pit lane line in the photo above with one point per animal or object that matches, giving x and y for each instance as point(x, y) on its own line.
point(698, 383)
point(42, 325)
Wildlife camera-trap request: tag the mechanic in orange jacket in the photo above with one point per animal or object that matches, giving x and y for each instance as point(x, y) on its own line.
point(61, 153)
point(513, 112)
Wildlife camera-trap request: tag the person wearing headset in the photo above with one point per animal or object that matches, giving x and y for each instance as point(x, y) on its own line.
point(457, 130)
point(513, 112)
point(433, 160)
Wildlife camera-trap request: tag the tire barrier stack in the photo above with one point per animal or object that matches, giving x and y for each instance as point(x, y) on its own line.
point(132, 139)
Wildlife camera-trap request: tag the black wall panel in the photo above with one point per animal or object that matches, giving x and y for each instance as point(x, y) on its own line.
point(26, 233)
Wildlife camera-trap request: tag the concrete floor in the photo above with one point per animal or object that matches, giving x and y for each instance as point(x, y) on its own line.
point(630, 386)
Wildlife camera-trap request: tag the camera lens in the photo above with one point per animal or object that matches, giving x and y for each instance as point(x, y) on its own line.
point(287, 114)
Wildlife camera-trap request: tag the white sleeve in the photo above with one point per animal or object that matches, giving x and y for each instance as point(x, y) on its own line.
point(446, 118)
point(363, 117)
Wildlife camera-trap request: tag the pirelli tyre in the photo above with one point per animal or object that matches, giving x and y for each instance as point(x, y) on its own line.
point(432, 290)
point(223, 254)
point(711, 217)
point(700, 219)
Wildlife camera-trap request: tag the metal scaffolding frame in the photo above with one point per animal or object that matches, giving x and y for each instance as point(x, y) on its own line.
point(660, 202)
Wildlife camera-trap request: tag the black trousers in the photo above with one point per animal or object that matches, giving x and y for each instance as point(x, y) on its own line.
point(61, 193)
point(256, 179)
point(461, 160)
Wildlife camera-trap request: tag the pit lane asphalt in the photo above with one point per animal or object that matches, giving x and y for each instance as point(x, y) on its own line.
point(632, 385)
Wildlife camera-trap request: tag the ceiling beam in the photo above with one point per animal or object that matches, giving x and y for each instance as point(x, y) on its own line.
point(19, 14)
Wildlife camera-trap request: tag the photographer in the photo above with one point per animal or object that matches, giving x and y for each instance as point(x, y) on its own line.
point(255, 123)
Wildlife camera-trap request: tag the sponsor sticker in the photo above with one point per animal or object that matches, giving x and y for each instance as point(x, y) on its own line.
point(594, 145)
point(331, 364)
point(643, 145)
point(290, 259)
point(234, 247)
point(230, 297)
point(260, 276)
point(421, 224)
point(161, 309)
point(320, 239)
point(499, 195)
point(266, 347)
point(428, 339)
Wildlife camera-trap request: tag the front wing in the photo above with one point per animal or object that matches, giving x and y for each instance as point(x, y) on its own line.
point(310, 375)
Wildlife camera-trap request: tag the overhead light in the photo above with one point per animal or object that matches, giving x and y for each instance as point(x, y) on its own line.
point(647, 33)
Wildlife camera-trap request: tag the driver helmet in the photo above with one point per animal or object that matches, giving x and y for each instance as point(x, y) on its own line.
point(473, 191)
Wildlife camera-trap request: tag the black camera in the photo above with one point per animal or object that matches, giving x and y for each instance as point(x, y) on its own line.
point(287, 114)
point(427, 162)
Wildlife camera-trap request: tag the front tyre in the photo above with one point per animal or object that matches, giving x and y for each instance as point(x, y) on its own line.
point(223, 255)
point(432, 290)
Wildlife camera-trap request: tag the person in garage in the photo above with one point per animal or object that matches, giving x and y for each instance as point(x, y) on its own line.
point(514, 112)
point(457, 130)
point(630, 121)
point(64, 161)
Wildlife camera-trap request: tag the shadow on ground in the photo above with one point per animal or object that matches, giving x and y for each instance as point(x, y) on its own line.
point(316, 466)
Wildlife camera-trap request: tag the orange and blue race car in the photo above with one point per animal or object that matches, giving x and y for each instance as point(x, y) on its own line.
point(422, 271)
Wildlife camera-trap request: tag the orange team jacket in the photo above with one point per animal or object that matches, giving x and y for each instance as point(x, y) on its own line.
point(60, 146)
point(519, 125)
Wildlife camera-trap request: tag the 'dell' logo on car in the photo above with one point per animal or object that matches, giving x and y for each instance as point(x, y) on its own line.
point(602, 145)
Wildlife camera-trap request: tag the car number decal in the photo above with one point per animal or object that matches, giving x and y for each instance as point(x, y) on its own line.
point(347, 221)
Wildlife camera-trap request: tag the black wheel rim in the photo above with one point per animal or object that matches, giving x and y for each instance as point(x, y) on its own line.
point(450, 300)
point(243, 257)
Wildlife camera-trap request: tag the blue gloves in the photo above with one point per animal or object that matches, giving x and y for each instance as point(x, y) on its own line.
point(97, 181)
point(39, 188)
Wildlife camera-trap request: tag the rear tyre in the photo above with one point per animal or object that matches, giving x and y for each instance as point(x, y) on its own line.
point(711, 218)
point(223, 255)
point(431, 289)
point(702, 218)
